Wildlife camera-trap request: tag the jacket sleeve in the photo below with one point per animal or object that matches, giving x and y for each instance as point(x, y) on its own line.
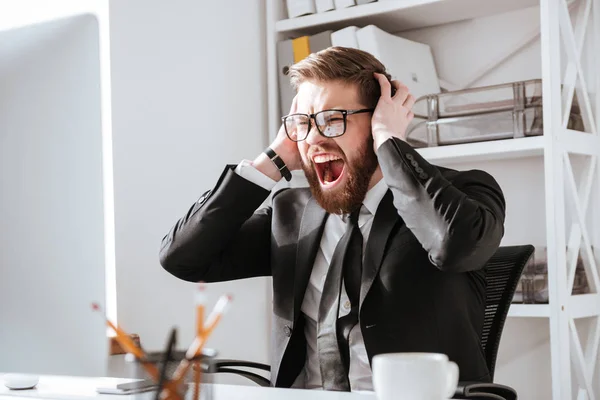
point(459, 222)
point(222, 236)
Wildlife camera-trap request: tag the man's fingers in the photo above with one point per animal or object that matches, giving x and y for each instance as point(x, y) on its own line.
point(402, 92)
point(384, 84)
point(409, 102)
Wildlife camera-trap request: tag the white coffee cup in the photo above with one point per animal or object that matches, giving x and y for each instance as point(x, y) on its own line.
point(414, 376)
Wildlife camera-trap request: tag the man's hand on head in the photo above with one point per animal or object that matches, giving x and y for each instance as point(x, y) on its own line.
point(392, 113)
point(285, 148)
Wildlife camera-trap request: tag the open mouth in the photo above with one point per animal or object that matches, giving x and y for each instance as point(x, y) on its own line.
point(330, 169)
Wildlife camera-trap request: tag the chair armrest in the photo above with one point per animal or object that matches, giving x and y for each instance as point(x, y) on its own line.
point(240, 363)
point(259, 380)
point(224, 366)
point(481, 390)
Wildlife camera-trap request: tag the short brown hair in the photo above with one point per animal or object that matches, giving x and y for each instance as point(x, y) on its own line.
point(342, 64)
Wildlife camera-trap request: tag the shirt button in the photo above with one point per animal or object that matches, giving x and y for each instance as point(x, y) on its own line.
point(287, 330)
point(347, 305)
point(409, 156)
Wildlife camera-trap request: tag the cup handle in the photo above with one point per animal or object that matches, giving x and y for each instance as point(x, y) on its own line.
point(451, 379)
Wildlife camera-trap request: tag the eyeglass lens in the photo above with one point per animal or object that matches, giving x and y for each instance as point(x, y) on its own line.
point(329, 123)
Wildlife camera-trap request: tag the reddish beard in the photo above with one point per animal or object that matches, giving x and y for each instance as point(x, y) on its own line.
point(347, 198)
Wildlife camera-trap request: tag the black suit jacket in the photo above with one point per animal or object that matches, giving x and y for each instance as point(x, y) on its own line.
point(423, 282)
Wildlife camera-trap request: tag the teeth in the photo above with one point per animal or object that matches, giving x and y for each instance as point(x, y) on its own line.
point(321, 158)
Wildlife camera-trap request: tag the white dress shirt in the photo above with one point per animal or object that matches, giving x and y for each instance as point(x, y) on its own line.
point(360, 376)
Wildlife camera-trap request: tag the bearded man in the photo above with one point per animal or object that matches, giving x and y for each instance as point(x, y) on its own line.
point(384, 252)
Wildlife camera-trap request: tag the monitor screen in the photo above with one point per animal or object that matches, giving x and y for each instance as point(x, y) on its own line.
point(52, 246)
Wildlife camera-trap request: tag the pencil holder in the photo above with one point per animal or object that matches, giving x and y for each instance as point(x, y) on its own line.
point(173, 374)
point(196, 382)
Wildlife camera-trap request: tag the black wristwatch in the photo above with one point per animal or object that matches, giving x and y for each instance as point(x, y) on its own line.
point(283, 169)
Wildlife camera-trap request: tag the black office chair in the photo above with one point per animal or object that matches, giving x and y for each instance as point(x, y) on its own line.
point(504, 270)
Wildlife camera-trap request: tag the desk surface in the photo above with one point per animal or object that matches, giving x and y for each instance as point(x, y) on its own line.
point(80, 388)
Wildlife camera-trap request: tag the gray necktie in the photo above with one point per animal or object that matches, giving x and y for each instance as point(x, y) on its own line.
point(333, 332)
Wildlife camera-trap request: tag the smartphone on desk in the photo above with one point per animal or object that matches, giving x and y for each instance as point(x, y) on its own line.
point(129, 387)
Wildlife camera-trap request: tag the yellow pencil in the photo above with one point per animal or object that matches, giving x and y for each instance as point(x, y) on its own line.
point(122, 337)
point(129, 346)
point(197, 376)
point(200, 303)
point(196, 348)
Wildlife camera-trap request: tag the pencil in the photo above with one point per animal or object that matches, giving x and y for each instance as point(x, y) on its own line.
point(122, 337)
point(197, 375)
point(200, 303)
point(196, 348)
point(129, 346)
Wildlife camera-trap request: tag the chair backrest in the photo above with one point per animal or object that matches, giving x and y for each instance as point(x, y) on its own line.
point(503, 272)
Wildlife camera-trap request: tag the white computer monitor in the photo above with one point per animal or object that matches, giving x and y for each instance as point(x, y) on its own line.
point(52, 199)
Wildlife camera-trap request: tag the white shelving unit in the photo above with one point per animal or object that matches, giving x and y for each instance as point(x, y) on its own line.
point(564, 36)
point(397, 16)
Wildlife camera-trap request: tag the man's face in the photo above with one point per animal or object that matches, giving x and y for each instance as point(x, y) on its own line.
point(339, 170)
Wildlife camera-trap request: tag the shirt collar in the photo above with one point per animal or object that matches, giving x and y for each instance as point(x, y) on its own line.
point(374, 196)
point(370, 203)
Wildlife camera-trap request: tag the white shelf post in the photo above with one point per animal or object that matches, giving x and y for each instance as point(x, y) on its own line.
point(567, 350)
point(555, 202)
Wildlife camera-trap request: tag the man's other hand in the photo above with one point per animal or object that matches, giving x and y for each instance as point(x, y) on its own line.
point(392, 113)
point(285, 148)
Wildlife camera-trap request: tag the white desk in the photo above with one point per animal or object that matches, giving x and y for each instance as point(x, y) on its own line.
point(79, 388)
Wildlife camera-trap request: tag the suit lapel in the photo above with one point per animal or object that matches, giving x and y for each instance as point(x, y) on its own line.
point(385, 219)
point(309, 238)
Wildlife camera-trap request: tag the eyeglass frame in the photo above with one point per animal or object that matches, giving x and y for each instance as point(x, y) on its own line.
point(311, 117)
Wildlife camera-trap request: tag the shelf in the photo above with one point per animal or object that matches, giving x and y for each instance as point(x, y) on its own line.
point(580, 142)
point(473, 152)
point(400, 15)
point(483, 151)
point(581, 306)
point(585, 305)
point(529, 310)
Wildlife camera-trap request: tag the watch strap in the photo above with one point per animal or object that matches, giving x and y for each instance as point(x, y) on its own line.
point(283, 169)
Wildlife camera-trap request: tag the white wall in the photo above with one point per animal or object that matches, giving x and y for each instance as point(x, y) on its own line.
point(189, 95)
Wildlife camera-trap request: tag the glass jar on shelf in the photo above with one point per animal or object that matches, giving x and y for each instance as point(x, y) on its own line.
point(533, 285)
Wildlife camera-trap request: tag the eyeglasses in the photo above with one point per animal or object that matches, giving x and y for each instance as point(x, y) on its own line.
point(329, 123)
